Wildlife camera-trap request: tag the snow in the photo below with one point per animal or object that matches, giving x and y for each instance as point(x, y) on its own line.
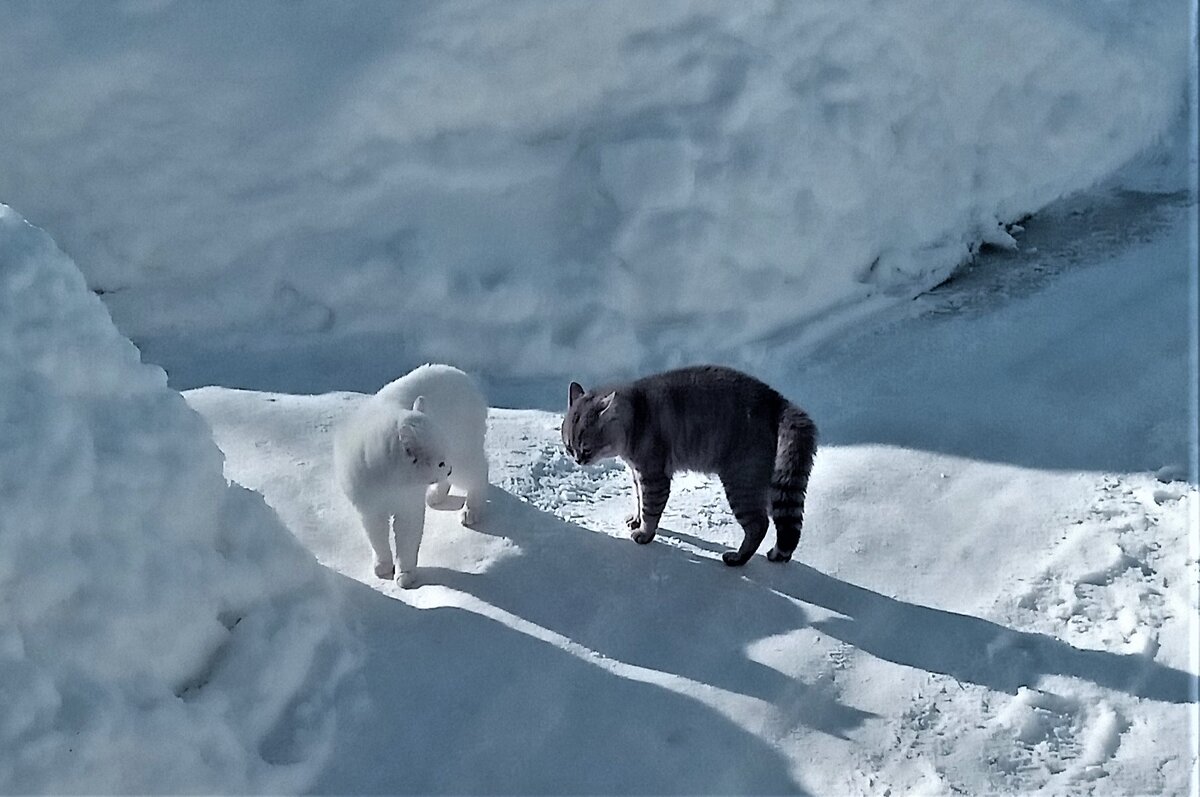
point(160, 630)
point(526, 189)
point(992, 594)
point(286, 205)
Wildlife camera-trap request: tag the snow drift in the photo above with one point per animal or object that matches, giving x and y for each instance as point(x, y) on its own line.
point(526, 187)
point(160, 630)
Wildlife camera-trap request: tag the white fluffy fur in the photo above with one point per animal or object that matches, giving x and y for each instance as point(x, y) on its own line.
point(405, 447)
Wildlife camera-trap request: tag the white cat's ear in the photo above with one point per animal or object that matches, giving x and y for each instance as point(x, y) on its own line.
point(419, 404)
point(408, 444)
point(574, 392)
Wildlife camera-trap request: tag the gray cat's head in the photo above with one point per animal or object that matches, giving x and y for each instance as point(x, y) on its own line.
point(594, 426)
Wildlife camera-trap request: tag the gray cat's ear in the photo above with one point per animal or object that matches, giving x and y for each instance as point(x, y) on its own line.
point(606, 404)
point(574, 392)
point(419, 404)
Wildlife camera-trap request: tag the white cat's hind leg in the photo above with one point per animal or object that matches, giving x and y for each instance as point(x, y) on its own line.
point(472, 476)
point(408, 524)
point(378, 528)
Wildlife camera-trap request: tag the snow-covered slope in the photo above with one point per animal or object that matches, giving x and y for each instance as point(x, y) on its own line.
point(996, 591)
point(160, 631)
point(529, 187)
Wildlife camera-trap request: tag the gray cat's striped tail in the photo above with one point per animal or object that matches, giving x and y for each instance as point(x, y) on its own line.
point(793, 463)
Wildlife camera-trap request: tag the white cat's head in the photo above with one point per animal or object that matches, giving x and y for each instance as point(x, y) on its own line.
point(424, 448)
point(594, 426)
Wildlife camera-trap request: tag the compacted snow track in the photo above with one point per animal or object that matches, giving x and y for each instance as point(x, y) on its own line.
point(976, 606)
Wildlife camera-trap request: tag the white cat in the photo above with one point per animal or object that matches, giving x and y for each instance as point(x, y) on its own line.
point(405, 447)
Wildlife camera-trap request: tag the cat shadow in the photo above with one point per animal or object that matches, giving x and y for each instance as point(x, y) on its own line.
point(967, 648)
point(448, 700)
point(668, 608)
point(651, 606)
point(699, 542)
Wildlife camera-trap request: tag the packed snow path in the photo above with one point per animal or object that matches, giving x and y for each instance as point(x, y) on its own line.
point(994, 592)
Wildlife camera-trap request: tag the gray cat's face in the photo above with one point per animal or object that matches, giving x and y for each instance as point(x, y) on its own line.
point(591, 429)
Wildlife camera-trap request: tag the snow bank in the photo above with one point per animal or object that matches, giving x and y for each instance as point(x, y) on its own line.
point(160, 630)
point(525, 188)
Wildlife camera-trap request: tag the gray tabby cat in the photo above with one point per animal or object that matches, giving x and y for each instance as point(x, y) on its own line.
point(708, 419)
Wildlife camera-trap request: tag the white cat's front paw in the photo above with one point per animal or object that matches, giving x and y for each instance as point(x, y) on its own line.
point(384, 570)
point(438, 497)
point(407, 579)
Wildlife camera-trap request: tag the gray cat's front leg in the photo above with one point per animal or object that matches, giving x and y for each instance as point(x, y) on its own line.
point(655, 489)
point(634, 521)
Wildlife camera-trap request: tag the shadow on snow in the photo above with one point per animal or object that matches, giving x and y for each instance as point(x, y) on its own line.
point(447, 699)
point(451, 700)
point(967, 648)
point(972, 649)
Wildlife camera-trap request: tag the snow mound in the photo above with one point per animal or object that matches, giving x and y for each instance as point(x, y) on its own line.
point(160, 630)
point(526, 188)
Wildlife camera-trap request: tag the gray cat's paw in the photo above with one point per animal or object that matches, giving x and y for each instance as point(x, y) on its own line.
point(470, 515)
point(734, 559)
point(633, 522)
point(775, 555)
point(642, 536)
point(407, 580)
point(384, 570)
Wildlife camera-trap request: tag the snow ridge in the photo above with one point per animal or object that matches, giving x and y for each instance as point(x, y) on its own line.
point(160, 630)
point(604, 187)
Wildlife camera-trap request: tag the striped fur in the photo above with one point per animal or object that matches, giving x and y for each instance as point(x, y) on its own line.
point(708, 419)
point(789, 481)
